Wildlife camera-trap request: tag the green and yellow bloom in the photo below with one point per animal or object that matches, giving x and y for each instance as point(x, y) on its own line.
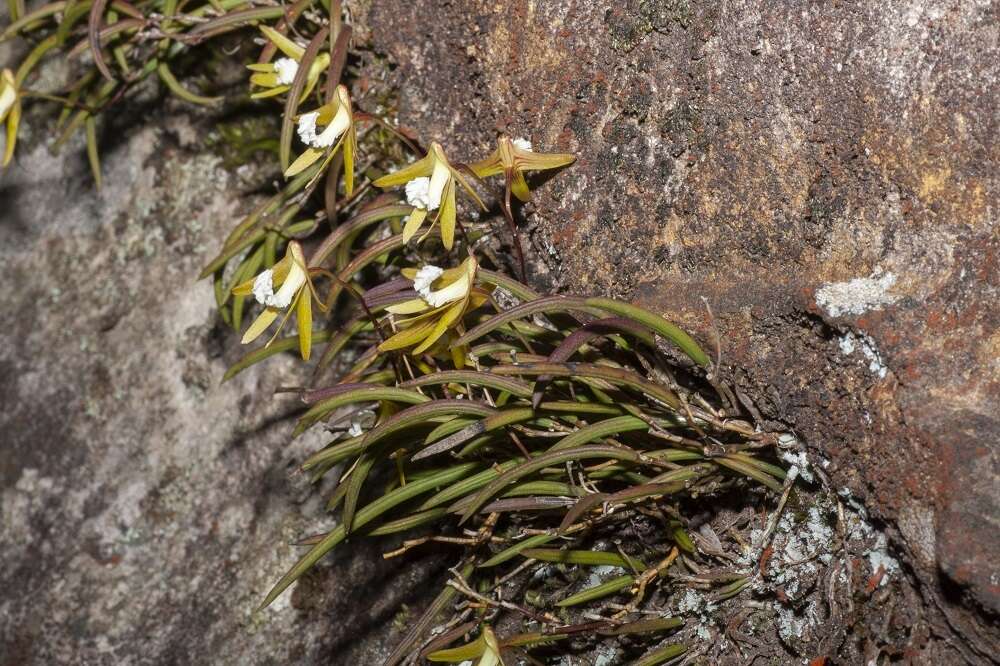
point(338, 130)
point(512, 158)
point(294, 292)
point(430, 185)
point(445, 296)
point(486, 648)
point(10, 111)
point(276, 77)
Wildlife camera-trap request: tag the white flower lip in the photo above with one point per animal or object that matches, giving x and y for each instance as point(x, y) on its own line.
point(307, 128)
point(523, 144)
point(453, 292)
point(286, 69)
point(283, 297)
point(423, 280)
point(263, 287)
point(418, 192)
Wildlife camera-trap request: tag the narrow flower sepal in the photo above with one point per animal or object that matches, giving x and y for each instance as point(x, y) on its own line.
point(10, 111)
point(486, 648)
point(441, 177)
point(294, 292)
point(512, 158)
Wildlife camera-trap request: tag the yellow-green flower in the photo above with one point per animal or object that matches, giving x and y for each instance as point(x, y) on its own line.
point(486, 648)
point(430, 185)
point(294, 292)
point(512, 158)
point(337, 122)
point(444, 298)
point(276, 77)
point(10, 111)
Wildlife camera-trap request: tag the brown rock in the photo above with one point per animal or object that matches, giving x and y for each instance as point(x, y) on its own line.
point(824, 175)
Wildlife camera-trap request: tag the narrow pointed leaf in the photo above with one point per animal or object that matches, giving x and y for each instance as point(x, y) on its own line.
point(363, 517)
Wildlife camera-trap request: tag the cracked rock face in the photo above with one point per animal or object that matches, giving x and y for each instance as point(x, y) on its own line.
point(823, 175)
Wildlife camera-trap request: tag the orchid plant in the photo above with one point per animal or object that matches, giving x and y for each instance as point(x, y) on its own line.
point(504, 420)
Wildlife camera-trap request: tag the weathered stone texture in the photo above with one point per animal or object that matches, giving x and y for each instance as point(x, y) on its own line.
point(145, 509)
point(823, 174)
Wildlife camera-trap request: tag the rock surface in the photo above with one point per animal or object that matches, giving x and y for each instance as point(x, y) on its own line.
point(146, 509)
point(824, 176)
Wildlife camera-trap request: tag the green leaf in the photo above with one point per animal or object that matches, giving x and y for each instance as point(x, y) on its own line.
point(600, 430)
point(645, 626)
point(426, 621)
point(662, 655)
point(168, 78)
point(489, 424)
point(618, 376)
point(275, 348)
point(657, 323)
point(543, 305)
point(598, 591)
point(376, 393)
point(363, 517)
point(92, 155)
point(589, 558)
point(481, 379)
point(743, 467)
point(422, 413)
point(545, 460)
point(515, 550)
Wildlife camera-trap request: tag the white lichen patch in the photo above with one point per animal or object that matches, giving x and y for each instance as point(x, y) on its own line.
point(798, 465)
point(856, 296)
point(792, 453)
point(801, 549)
point(851, 342)
point(701, 609)
point(881, 561)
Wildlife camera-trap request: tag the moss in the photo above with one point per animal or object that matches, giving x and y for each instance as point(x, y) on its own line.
point(236, 140)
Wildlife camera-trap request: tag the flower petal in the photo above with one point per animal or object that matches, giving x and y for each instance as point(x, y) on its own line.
point(448, 216)
point(350, 146)
point(490, 166)
point(12, 122)
point(244, 288)
point(304, 315)
point(421, 167)
point(530, 161)
point(408, 307)
point(270, 92)
point(413, 223)
point(304, 161)
point(446, 320)
point(518, 186)
point(287, 46)
point(259, 325)
point(407, 338)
